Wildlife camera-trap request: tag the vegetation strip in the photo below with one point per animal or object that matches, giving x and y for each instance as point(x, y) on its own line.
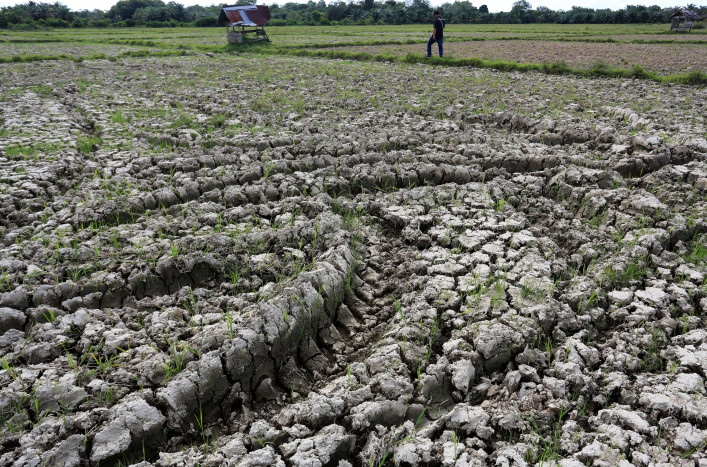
point(414, 40)
point(695, 78)
point(126, 54)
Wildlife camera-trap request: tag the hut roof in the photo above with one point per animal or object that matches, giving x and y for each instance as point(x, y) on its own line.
point(244, 15)
point(687, 14)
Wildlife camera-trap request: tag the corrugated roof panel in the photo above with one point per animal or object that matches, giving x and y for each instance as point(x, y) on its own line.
point(245, 15)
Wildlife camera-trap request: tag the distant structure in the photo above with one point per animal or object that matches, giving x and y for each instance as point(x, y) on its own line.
point(682, 20)
point(245, 19)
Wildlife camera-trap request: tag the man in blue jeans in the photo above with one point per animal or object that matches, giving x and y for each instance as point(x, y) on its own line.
point(437, 35)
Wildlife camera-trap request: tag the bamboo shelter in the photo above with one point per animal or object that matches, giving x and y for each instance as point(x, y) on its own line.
point(245, 19)
point(682, 20)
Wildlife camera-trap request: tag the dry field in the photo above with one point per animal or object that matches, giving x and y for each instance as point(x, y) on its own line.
point(224, 258)
point(663, 58)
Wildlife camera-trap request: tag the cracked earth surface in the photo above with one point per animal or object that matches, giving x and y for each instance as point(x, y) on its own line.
point(225, 261)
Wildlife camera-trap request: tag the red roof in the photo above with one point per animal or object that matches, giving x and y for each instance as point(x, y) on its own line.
point(245, 15)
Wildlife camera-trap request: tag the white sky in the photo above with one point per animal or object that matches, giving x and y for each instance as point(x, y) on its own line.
point(495, 5)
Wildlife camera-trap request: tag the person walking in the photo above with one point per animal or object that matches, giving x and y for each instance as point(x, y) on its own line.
point(437, 34)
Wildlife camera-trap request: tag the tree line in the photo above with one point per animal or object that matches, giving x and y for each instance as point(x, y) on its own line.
point(156, 13)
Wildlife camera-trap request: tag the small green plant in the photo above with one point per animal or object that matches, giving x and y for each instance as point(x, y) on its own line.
point(177, 360)
point(49, 315)
point(88, 144)
point(109, 396)
point(267, 170)
point(17, 151)
point(695, 449)
point(207, 440)
point(5, 283)
point(399, 309)
point(217, 120)
point(101, 364)
point(118, 117)
point(183, 121)
point(584, 304)
point(455, 440)
point(5, 365)
point(229, 323)
point(698, 253)
point(550, 443)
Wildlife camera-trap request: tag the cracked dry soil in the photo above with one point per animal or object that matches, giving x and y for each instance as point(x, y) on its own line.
point(220, 261)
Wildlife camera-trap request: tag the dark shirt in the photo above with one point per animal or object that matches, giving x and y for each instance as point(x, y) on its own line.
point(439, 27)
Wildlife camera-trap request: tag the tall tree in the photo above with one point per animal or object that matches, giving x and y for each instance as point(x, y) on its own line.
point(125, 9)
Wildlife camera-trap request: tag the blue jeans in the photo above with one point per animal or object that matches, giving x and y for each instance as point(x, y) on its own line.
point(429, 46)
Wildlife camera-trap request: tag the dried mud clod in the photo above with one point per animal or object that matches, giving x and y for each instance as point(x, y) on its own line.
point(325, 263)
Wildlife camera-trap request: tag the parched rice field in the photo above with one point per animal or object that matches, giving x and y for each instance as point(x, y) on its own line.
point(288, 255)
point(663, 58)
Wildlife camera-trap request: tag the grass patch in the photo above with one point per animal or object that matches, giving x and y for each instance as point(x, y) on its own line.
point(20, 151)
point(635, 271)
point(33, 58)
point(118, 117)
point(46, 151)
point(696, 78)
point(302, 41)
point(217, 120)
point(183, 121)
point(43, 90)
point(95, 56)
point(698, 253)
point(88, 144)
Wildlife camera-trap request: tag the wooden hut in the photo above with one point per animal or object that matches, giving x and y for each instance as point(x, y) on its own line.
point(245, 19)
point(683, 19)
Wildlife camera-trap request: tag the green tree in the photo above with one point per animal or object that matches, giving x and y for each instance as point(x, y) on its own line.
point(520, 10)
point(175, 11)
point(125, 9)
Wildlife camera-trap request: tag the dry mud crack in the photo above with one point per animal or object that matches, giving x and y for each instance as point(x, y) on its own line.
point(325, 263)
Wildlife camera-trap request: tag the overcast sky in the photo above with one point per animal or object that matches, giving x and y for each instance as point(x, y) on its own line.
point(502, 5)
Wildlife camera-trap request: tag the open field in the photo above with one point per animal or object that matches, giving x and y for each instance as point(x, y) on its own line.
point(239, 256)
point(594, 49)
point(663, 58)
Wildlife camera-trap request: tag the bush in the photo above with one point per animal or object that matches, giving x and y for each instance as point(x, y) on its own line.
point(278, 22)
point(57, 23)
point(694, 78)
point(206, 21)
point(172, 23)
point(25, 26)
point(101, 23)
point(637, 71)
point(557, 68)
